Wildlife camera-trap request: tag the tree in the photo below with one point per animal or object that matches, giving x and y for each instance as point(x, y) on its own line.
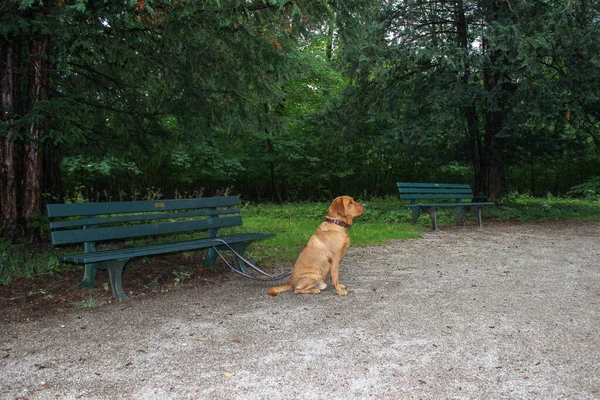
point(498, 73)
point(123, 80)
point(28, 168)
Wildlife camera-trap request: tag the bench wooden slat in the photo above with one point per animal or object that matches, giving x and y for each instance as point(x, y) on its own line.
point(437, 185)
point(433, 190)
point(83, 209)
point(455, 205)
point(96, 221)
point(413, 191)
point(131, 231)
point(162, 248)
point(442, 196)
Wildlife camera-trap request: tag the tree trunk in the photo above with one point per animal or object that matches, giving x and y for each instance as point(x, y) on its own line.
point(470, 110)
point(52, 189)
point(275, 195)
point(477, 158)
point(500, 89)
point(23, 82)
point(274, 188)
point(494, 119)
point(10, 153)
point(33, 160)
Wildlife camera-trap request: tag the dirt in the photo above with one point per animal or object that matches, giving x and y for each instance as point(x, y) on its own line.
point(510, 311)
point(55, 295)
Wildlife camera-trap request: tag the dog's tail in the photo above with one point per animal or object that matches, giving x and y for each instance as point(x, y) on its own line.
point(275, 290)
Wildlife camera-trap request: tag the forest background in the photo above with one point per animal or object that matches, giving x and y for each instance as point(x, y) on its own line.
point(280, 100)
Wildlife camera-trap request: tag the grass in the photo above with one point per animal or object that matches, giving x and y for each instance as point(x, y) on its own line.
point(20, 260)
point(526, 208)
point(291, 234)
point(89, 302)
point(294, 223)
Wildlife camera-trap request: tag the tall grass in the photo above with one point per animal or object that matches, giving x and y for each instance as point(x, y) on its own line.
point(293, 224)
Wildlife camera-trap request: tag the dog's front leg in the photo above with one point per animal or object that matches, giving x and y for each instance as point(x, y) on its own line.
point(335, 278)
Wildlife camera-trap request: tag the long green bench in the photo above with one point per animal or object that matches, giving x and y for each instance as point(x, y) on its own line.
point(115, 222)
point(460, 194)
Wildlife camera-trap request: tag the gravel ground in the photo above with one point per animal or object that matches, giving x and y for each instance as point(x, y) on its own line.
point(510, 311)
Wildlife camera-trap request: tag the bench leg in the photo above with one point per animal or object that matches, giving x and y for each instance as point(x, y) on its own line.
point(115, 275)
point(476, 210)
point(462, 211)
point(460, 215)
point(432, 211)
point(240, 248)
point(211, 257)
point(89, 277)
point(415, 213)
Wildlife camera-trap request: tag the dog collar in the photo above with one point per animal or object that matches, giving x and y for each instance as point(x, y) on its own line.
point(338, 222)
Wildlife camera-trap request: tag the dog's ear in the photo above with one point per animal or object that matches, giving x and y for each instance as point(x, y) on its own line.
point(338, 207)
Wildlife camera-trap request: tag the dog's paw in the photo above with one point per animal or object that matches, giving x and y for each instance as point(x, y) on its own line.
point(341, 290)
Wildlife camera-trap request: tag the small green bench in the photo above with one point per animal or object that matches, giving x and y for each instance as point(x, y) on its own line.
point(460, 194)
point(90, 223)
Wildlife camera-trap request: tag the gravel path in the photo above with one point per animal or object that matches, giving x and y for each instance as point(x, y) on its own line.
point(510, 311)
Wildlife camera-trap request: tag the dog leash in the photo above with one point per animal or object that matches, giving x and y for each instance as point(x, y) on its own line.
point(268, 278)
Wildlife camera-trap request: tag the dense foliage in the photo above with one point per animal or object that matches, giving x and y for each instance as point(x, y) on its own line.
point(507, 88)
point(285, 100)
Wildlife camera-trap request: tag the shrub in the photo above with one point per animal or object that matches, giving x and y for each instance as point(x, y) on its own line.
point(589, 190)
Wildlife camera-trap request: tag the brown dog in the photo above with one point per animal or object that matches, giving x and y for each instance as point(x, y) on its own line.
point(324, 251)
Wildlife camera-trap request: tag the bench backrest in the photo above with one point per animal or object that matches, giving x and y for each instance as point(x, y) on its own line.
point(91, 222)
point(434, 191)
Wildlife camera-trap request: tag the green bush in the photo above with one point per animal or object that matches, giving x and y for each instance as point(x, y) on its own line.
point(589, 190)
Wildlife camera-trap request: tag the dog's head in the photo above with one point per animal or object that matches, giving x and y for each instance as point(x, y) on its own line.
point(344, 208)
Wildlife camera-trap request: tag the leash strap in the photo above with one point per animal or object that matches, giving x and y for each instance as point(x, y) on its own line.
point(268, 278)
